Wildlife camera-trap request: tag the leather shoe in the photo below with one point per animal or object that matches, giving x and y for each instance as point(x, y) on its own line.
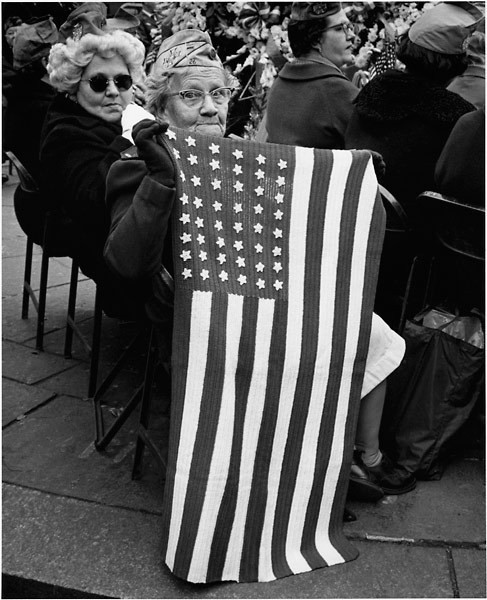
point(360, 486)
point(393, 479)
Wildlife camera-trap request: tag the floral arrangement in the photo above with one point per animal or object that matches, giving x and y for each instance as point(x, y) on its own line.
point(251, 39)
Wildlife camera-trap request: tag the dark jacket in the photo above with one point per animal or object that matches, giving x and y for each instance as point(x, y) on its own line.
point(140, 210)
point(460, 170)
point(77, 150)
point(28, 103)
point(408, 120)
point(310, 104)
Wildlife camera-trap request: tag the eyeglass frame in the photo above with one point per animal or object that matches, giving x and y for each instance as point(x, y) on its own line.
point(345, 27)
point(204, 94)
point(107, 82)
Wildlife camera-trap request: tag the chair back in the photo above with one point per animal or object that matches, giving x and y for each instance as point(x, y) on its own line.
point(396, 218)
point(27, 182)
point(45, 226)
point(456, 227)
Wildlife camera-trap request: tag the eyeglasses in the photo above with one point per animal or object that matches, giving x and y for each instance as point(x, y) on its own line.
point(195, 98)
point(347, 28)
point(99, 83)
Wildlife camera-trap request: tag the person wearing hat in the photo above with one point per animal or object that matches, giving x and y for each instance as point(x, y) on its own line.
point(31, 92)
point(310, 103)
point(188, 88)
point(471, 83)
point(29, 99)
point(408, 115)
point(94, 70)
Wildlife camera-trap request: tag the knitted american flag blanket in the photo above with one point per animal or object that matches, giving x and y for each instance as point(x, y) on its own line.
point(276, 254)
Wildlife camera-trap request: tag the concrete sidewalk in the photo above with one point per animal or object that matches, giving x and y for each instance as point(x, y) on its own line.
point(75, 525)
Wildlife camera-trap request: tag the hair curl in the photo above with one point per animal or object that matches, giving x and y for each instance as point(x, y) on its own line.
point(304, 35)
point(434, 65)
point(68, 61)
point(159, 88)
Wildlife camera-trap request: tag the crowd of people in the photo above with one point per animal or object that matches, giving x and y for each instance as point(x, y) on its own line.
point(84, 118)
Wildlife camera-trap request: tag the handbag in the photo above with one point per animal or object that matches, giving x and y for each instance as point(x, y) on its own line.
point(433, 391)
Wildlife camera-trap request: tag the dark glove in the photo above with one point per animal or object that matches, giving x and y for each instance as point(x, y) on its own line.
point(379, 164)
point(156, 157)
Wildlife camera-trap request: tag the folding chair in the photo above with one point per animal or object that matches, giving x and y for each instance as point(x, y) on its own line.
point(457, 235)
point(42, 227)
point(400, 244)
point(143, 393)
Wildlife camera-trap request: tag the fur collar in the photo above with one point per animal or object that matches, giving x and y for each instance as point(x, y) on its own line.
point(394, 96)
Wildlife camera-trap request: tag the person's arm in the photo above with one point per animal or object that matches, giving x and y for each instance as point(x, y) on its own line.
point(140, 209)
point(140, 196)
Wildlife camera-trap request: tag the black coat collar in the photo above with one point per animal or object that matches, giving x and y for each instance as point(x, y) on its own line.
point(395, 95)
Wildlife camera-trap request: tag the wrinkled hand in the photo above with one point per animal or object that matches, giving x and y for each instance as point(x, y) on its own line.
point(379, 164)
point(155, 156)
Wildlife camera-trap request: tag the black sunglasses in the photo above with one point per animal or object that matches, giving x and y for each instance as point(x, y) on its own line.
point(99, 83)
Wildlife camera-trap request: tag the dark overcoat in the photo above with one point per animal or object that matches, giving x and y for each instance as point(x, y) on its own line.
point(408, 120)
point(77, 151)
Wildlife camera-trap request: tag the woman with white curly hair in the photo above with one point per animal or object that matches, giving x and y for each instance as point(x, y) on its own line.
point(94, 71)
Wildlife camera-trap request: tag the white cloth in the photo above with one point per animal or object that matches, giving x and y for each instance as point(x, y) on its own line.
point(133, 114)
point(386, 351)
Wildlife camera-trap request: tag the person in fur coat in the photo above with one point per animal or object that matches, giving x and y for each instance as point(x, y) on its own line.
point(407, 116)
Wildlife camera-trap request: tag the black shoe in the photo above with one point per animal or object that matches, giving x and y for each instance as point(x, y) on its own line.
point(360, 486)
point(393, 479)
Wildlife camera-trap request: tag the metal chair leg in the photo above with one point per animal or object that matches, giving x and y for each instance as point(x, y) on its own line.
point(104, 438)
point(42, 300)
point(95, 357)
point(73, 288)
point(143, 437)
point(27, 277)
point(402, 318)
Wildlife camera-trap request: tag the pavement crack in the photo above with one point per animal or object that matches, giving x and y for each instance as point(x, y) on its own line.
point(145, 511)
point(453, 573)
point(30, 411)
point(418, 542)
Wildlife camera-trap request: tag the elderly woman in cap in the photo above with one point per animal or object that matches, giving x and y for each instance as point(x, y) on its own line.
point(310, 103)
point(408, 116)
point(190, 89)
point(94, 72)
